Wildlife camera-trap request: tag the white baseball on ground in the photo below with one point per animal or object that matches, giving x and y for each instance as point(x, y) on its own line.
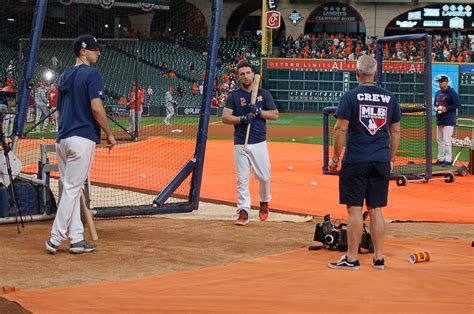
point(290, 168)
point(142, 175)
point(313, 183)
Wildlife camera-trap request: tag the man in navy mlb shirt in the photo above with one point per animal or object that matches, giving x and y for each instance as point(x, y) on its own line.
point(368, 120)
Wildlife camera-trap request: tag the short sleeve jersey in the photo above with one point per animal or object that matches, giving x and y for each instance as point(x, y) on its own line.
point(449, 99)
point(77, 87)
point(370, 111)
point(239, 102)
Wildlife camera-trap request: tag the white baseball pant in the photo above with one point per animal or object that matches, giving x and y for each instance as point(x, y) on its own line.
point(131, 119)
point(41, 111)
point(258, 160)
point(169, 114)
point(75, 156)
point(444, 133)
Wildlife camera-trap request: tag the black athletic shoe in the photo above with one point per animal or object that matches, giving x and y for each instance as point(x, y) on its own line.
point(344, 263)
point(447, 163)
point(82, 247)
point(439, 162)
point(378, 263)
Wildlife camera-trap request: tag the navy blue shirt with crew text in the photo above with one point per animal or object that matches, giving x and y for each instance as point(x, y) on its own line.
point(370, 111)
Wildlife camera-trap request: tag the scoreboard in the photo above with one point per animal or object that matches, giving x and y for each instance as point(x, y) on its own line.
point(466, 89)
point(307, 85)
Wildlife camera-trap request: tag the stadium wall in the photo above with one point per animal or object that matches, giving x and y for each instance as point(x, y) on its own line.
point(375, 14)
point(306, 85)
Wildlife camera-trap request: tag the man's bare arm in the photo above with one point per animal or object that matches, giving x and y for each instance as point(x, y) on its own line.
point(394, 140)
point(340, 130)
point(229, 118)
point(270, 114)
point(101, 117)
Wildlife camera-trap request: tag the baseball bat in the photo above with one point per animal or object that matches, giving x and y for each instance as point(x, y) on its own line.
point(88, 217)
point(253, 100)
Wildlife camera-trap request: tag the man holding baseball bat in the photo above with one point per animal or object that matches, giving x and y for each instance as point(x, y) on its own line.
point(81, 116)
point(248, 108)
point(368, 119)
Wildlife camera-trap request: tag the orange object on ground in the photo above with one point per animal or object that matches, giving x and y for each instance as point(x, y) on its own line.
point(292, 282)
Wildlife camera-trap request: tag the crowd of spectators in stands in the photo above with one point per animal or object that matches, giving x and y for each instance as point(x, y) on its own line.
point(351, 46)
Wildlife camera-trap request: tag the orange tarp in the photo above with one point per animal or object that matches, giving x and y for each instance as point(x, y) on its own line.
point(293, 282)
point(293, 191)
point(134, 165)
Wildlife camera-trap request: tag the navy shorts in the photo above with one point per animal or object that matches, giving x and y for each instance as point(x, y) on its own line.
point(366, 180)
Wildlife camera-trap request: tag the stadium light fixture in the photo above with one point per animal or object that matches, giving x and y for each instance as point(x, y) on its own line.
point(10, 20)
point(62, 23)
point(106, 25)
point(48, 75)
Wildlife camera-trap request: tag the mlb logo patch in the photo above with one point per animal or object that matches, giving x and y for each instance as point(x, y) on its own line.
point(372, 117)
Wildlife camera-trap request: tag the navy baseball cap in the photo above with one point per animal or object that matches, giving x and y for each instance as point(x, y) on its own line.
point(86, 42)
point(442, 78)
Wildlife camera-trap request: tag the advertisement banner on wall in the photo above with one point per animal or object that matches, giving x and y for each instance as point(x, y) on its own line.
point(449, 70)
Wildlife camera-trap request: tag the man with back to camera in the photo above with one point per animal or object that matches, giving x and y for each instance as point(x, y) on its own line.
point(238, 112)
point(446, 104)
point(368, 119)
point(81, 116)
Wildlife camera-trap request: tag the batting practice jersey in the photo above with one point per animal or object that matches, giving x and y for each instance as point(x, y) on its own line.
point(370, 111)
point(168, 99)
point(141, 98)
point(77, 87)
point(239, 102)
point(449, 99)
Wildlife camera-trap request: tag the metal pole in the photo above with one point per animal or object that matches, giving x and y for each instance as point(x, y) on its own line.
point(33, 48)
point(206, 105)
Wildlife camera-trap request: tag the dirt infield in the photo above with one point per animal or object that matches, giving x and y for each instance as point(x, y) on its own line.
point(138, 247)
point(135, 248)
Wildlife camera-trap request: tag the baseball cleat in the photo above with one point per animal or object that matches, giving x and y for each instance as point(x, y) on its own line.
point(263, 212)
point(243, 218)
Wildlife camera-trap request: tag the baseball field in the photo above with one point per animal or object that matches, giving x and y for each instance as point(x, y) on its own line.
point(201, 262)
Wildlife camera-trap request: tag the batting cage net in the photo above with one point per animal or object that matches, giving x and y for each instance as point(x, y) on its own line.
point(408, 75)
point(157, 94)
point(404, 68)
